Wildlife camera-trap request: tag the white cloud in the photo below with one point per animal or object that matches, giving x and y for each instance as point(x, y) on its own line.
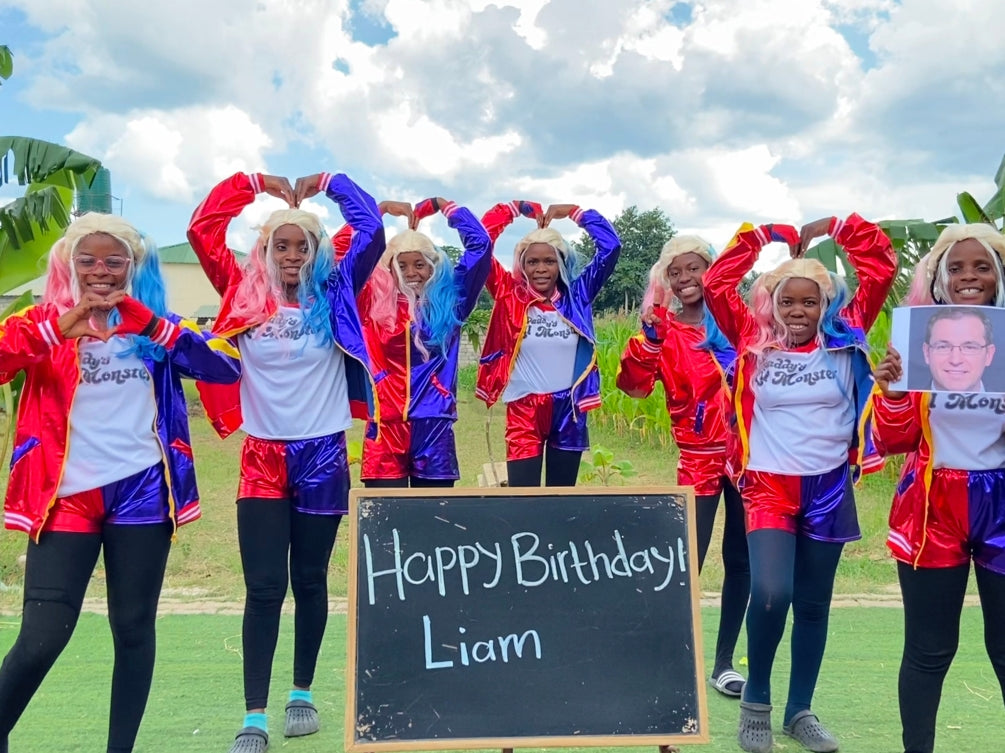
point(174, 155)
point(753, 109)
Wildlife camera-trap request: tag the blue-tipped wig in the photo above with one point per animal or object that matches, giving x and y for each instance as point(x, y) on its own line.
point(147, 287)
point(312, 292)
point(437, 308)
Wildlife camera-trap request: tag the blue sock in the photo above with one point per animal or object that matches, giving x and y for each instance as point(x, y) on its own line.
point(301, 695)
point(261, 721)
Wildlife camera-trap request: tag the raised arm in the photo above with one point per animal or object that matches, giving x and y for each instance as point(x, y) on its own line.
point(361, 214)
point(495, 221)
point(605, 238)
point(207, 230)
point(473, 267)
point(871, 254)
point(721, 280)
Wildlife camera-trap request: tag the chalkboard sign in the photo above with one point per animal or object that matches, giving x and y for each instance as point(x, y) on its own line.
point(496, 618)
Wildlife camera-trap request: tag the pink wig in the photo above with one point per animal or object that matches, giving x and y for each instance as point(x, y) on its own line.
point(261, 280)
point(62, 287)
point(768, 287)
point(931, 277)
point(658, 292)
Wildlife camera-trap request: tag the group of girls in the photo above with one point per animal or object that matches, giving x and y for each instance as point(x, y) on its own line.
point(312, 332)
point(772, 405)
point(774, 402)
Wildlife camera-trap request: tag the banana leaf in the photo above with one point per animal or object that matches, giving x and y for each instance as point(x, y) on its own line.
point(37, 161)
point(10, 393)
point(6, 62)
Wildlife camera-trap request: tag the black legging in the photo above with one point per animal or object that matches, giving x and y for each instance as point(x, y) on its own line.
point(280, 546)
point(56, 574)
point(561, 468)
point(408, 481)
point(786, 569)
point(736, 564)
point(933, 603)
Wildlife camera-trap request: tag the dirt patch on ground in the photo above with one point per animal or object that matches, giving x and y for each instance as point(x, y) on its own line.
point(184, 601)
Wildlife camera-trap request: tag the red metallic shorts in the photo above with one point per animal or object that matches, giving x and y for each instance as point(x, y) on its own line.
point(313, 474)
point(137, 500)
point(821, 506)
point(534, 420)
point(966, 519)
point(705, 471)
point(419, 448)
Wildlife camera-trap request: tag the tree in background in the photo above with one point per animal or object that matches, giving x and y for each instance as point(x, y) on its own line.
point(642, 236)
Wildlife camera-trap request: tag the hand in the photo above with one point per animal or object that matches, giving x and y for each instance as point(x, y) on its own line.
point(809, 232)
point(400, 209)
point(278, 186)
point(77, 321)
point(783, 234)
point(890, 369)
point(137, 319)
point(653, 324)
point(305, 188)
point(530, 209)
point(555, 212)
point(426, 208)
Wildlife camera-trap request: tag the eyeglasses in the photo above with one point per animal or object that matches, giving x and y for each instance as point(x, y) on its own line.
point(942, 348)
point(111, 264)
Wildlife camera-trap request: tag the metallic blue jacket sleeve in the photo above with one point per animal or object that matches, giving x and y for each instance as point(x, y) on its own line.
point(608, 250)
point(475, 263)
point(198, 354)
point(361, 213)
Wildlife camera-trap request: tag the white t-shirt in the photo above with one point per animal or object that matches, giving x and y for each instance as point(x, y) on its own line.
point(292, 387)
point(112, 434)
point(546, 361)
point(804, 412)
point(968, 431)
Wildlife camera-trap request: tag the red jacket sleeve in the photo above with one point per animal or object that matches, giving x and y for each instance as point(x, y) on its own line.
point(639, 367)
point(27, 338)
point(723, 299)
point(495, 221)
point(207, 230)
point(871, 254)
point(897, 424)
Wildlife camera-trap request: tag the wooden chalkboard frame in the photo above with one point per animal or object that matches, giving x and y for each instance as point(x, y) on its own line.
point(353, 744)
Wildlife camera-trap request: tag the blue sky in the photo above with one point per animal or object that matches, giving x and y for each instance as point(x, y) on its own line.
point(716, 112)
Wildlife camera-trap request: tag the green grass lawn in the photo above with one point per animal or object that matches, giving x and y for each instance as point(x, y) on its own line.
point(196, 700)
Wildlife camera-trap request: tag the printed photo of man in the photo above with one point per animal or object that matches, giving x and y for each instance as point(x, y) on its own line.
point(958, 347)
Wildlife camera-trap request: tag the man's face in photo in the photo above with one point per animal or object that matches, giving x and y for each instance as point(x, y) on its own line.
point(957, 353)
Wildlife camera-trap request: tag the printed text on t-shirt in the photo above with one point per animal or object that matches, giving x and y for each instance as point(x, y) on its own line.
point(785, 372)
point(95, 370)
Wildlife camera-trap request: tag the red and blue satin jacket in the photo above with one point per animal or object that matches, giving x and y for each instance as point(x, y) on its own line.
point(871, 254)
point(695, 380)
point(513, 298)
point(207, 232)
point(903, 426)
point(31, 341)
point(409, 385)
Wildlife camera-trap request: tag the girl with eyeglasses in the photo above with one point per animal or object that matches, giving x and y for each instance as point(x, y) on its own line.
point(101, 343)
point(802, 402)
point(949, 509)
